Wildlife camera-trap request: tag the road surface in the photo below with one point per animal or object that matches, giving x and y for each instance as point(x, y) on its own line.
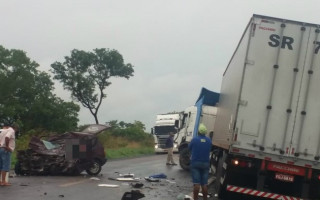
point(83, 187)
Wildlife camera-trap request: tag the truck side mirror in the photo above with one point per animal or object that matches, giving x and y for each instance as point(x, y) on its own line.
point(152, 131)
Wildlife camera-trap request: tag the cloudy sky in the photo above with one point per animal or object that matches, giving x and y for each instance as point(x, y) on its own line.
point(176, 46)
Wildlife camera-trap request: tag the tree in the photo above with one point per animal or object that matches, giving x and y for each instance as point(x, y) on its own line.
point(26, 95)
point(86, 75)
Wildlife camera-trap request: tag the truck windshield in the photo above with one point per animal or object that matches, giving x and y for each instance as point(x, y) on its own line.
point(164, 130)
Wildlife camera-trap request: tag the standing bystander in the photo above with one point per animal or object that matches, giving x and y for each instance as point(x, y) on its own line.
point(169, 146)
point(200, 147)
point(7, 146)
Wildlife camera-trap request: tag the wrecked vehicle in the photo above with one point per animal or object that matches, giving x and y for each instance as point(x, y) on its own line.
point(70, 153)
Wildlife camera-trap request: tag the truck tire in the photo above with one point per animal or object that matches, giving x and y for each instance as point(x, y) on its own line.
point(221, 177)
point(95, 168)
point(184, 159)
point(214, 160)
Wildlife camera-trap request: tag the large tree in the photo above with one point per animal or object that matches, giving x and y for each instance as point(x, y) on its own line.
point(27, 95)
point(86, 75)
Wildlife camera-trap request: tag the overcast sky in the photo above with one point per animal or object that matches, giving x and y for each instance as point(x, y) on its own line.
point(176, 46)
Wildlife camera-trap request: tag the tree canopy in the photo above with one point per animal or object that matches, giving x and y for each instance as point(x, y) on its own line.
point(27, 95)
point(86, 75)
point(133, 131)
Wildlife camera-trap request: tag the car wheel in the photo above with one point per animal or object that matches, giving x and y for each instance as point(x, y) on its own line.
point(95, 168)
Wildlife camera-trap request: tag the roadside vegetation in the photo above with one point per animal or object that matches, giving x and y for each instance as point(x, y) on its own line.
point(28, 99)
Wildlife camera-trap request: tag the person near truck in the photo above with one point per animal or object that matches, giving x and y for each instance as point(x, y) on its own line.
point(7, 146)
point(169, 146)
point(200, 147)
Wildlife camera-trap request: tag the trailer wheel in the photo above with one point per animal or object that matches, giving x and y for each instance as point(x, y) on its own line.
point(221, 177)
point(184, 159)
point(214, 159)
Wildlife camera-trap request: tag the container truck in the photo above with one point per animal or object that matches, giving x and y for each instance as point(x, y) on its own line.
point(267, 130)
point(204, 111)
point(166, 123)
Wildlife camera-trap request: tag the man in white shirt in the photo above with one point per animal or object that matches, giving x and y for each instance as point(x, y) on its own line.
point(7, 146)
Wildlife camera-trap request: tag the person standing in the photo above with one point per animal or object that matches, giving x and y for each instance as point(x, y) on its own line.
point(7, 146)
point(200, 147)
point(169, 146)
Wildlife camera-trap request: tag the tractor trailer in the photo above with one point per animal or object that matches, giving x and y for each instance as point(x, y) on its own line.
point(164, 125)
point(267, 131)
point(204, 111)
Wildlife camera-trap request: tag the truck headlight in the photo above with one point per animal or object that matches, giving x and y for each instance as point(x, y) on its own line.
point(155, 146)
point(175, 145)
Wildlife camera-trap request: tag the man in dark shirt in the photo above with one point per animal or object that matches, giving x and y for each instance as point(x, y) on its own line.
point(169, 146)
point(200, 147)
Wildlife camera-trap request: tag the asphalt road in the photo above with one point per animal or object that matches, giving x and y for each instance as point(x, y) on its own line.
point(82, 187)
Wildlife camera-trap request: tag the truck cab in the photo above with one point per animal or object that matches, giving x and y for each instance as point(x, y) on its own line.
point(165, 124)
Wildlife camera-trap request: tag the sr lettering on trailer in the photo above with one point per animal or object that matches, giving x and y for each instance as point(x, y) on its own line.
point(286, 42)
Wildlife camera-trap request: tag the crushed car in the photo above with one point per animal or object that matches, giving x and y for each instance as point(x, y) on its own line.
point(70, 153)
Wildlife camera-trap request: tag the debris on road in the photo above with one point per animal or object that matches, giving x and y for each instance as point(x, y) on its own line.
point(184, 197)
point(133, 195)
point(170, 181)
point(108, 185)
point(201, 195)
point(152, 179)
point(137, 185)
point(161, 175)
point(94, 179)
point(129, 175)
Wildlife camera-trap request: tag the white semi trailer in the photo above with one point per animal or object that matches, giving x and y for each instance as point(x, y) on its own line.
point(267, 130)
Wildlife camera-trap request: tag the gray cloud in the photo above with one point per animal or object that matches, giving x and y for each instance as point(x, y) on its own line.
point(177, 47)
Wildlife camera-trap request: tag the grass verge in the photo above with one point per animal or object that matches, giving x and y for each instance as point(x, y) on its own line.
point(127, 152)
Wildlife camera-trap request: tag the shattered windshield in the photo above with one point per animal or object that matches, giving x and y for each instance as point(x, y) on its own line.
point(49, 145)
point(164, 130)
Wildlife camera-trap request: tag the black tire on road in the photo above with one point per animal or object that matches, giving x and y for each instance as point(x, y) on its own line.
point(95, 169)
point(184, 159)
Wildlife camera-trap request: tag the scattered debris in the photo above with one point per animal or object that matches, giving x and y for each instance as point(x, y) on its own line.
point(125, 179)
point(148, 187)
point(201, 195)
point(184, 197)
point(95, 179)
point(161, 175)
point(170, 181)
point(129, 175)
point(187, 197)
point(108, 185)
point(133, 195)
point(61, 195)
point(152, 179)
point(137, 185)
point(23, 184)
